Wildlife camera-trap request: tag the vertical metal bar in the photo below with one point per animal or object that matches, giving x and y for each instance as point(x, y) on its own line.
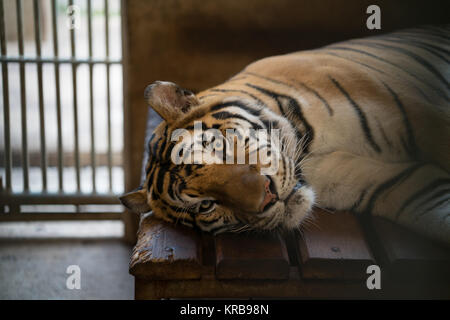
point(2, 205)
point(37, 29)
point(91, 94)
point(58, 95)
point(5, 101)
point(108, 94)
point(75, 103)
point(23, 101)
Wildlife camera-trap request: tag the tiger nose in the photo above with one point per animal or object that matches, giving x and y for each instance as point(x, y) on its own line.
point(269, 196)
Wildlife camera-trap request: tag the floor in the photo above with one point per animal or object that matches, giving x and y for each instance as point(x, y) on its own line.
point(34, 259)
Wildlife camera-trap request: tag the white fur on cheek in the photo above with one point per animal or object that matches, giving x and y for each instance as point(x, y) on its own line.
point(298, 207)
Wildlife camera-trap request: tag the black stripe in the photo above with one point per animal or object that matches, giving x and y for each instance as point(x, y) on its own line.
point(383, 133)
point(219, 229)
point(151, 139)
point(286, 176)
point(160, 180)
point(170, 218)
point(188, 169)
point(191, 127)
point(150, 179)
point(154, 148)
point(239, 91)
point(222, 115)
point(237, 104)
point(380, 71)
point(155, 196)
point(270, 79)
point(166, 148)
point(169, 150)
point(192, 195)
point(170, 187)
point(207, 95)
point(148, 149)
point(388, 184)
point(409, 54)
point(422, 33)
point(439, 91)
point(436, 205)
point(294, 107)
point(361, 115)
point(434, 50)
point(322, 99)
point(208, 222)
point(433, 197)
point(237, 77)
point(158, 148)
point(327, 106)
point(431, 186)
point(176, 218)
point(271, 94)
point(437, 32)
point(411, 144)
point(439, 194)
point(177, 210)
point(359, 201)
point(355, 61)
point(408, 38)
point(149, 167)
point(163, 144)
point(182, 186)
point(270, 124)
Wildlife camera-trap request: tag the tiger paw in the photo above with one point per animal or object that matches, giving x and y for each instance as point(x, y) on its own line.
point(298, 206)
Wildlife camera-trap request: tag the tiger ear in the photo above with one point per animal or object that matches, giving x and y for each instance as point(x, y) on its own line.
point(136, 201)
point(169, 100)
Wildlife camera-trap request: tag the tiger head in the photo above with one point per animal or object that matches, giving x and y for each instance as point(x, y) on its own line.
point(220, 193)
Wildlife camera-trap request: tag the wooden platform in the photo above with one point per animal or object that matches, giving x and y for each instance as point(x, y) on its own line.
point(328, 260)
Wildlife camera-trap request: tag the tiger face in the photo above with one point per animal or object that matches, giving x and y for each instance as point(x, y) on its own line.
point(220, 193)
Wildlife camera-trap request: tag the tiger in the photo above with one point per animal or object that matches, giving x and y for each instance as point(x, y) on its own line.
point(364, 127)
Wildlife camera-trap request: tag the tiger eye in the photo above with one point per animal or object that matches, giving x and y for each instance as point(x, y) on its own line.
point(206, 203)
point(205, 206)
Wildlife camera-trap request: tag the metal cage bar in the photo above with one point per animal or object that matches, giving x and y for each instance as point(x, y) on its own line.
point(58, 96)
point(108, 94)
point(11, 201)
point(8, 162)
point(75, 104)
point(23, 98)
point(37, 29)
point(58, 60)
point(91, 95)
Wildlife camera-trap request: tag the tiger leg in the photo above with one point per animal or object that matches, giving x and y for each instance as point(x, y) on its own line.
point(415, 195)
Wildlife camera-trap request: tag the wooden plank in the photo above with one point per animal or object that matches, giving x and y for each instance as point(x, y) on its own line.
point(245, 289)
point(251, 256)
point(298, 288)
point(334, 247)
point(409, 256)
point(164, 251)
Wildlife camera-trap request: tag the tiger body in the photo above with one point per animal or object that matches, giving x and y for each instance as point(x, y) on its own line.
point(370, 122)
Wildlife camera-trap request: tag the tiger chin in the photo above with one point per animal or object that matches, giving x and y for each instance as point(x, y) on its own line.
point(358, 123)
